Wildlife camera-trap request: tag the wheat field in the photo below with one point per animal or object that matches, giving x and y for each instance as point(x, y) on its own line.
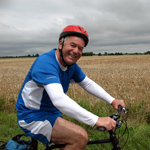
point(125, 77)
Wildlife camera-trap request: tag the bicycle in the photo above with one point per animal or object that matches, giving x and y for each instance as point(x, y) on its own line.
point(112, 133)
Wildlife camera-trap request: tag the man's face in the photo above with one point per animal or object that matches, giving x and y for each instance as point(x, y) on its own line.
point(72, 49)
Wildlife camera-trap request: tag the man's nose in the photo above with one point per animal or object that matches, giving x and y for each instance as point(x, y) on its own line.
point(76, 49)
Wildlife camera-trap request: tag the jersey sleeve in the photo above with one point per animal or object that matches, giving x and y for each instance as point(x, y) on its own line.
point(68, 106)
point(44, 71)
point(96, 90)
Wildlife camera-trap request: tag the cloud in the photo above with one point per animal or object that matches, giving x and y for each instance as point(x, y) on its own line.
point(30, 27)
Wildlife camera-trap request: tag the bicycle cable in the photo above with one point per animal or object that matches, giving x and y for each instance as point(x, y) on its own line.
point(123, 121)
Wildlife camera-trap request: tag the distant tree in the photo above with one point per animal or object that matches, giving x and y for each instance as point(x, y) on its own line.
point(111, 54)
point(88, 54)
point(105, 53)
point(36, 55)
point(148, 52)
point(99, 54)
point(117, 53)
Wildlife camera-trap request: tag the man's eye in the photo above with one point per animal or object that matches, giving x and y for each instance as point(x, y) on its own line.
point(73, 45)
point(80, 48)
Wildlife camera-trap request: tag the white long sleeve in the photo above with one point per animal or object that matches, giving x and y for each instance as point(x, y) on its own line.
point(96, 90)
point(68, 106)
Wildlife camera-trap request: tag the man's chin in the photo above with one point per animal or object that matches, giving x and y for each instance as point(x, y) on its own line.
point(70, 63)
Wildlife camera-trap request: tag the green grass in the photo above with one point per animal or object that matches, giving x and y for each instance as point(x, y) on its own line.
point(139, 135)
point(9, 127)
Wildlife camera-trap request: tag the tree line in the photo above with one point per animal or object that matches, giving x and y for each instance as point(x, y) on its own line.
point(116, 53)
point(29, 55)
point(84, 54)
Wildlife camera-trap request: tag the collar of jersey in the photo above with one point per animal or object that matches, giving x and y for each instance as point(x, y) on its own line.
point(60, 65)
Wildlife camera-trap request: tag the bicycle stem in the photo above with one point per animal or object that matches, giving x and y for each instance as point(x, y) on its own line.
point(114, 140)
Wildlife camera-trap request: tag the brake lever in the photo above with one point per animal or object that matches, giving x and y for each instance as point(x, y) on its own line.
point(118, 124)
point(125, 110)
point(115, 116)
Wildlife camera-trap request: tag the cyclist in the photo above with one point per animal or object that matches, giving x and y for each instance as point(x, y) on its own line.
point(42, 99)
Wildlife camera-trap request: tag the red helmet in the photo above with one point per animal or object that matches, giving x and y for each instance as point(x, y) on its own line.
point(75, 30)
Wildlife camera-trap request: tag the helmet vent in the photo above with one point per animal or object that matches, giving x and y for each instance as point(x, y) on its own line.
point(80, 28)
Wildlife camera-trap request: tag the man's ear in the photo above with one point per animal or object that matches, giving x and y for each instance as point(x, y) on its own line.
point(60, 44)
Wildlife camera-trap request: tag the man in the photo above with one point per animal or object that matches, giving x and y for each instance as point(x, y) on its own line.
point(42, 98)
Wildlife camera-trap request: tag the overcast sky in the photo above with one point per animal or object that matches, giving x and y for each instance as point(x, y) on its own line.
point(33, 26)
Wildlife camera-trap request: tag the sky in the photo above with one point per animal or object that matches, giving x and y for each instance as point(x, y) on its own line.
point(33, 27)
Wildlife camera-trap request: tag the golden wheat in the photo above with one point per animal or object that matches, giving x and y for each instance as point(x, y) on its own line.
point(124, 77)
point(12, 74)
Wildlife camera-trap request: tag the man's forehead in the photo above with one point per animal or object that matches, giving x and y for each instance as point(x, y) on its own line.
point(77, 44)
point(73, 39)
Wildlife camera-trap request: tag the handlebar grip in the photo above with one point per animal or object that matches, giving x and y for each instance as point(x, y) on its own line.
point(119, 109)
point(101, 129)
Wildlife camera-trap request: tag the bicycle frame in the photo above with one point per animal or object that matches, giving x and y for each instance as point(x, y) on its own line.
point(112, 133)
point(113, 139)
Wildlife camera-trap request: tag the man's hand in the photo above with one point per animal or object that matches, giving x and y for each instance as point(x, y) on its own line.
point(117, 102)
point(106, 122)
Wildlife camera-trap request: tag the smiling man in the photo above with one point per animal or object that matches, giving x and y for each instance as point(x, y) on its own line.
point(71, 50)
point(42, 98)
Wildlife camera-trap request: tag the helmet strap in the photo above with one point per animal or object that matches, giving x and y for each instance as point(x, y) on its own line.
point(61, 53)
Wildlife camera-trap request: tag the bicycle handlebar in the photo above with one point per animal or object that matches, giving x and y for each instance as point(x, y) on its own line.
point(115, 116)
point(112, 138)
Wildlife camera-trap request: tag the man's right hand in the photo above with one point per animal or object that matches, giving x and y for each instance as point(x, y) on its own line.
point(106, 122)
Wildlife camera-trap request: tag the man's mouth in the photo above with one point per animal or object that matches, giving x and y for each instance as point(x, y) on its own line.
point(73, 56)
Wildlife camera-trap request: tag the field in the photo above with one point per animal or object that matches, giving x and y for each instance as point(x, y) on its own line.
point(125, 77)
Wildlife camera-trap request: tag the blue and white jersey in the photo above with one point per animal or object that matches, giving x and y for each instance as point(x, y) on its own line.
point(42, 97)
point(45, 70)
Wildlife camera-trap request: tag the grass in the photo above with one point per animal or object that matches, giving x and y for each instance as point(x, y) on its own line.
point(124, 77)
point(139, 136)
